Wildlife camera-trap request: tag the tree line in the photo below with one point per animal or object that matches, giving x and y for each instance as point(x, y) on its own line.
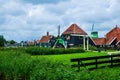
point(3, 41)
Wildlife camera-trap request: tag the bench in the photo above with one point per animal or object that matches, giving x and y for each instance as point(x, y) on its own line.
point(109, 60)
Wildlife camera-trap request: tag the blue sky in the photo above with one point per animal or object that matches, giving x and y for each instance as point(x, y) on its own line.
point(31, 19)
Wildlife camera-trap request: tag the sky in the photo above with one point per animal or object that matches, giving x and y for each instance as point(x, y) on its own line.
point(28, 20)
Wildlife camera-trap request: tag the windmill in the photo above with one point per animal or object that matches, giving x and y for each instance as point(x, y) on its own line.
point(60, 40)
point(94, 34)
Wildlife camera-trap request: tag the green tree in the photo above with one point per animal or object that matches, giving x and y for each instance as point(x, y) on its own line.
point(2, 41)
point(12, 42)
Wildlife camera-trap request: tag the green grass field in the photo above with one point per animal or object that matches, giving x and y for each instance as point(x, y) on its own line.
point(16, 64)
point(65, 58)
point(97, 74)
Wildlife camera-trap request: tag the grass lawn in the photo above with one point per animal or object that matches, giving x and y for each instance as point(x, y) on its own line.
point(65, 58)
point(17, 64)
point(97, 74)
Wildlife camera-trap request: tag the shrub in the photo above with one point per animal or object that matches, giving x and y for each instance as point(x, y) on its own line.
point(50, 51)
point(13, 49)
point(93, 48)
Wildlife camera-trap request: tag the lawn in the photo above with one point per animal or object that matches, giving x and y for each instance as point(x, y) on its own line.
point(65, 58)
point(97, 74)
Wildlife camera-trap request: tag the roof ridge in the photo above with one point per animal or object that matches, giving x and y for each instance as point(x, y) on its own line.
point(115, 28)
point(74, 29)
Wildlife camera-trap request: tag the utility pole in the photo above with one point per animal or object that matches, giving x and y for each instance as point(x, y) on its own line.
point(92, 27)
point(59, 31)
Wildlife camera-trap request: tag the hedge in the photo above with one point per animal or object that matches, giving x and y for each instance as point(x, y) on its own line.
point(50, 51)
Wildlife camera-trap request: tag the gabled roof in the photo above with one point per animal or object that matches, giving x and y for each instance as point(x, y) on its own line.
point(99, 41)
point(117, 42)
point(45, 39)
point(110, 40)
point(111, 36)
point(30, 43)
point(37, 41)
point(74, 29)
point(118, 38)
point(114, 32)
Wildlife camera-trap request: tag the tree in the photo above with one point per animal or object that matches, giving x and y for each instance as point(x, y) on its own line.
point(12, 42)
point(2, 41)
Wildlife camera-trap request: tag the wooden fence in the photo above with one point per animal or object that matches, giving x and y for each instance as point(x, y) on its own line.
point(109, 60)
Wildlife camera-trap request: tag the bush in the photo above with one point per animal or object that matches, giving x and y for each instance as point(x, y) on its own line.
point(93, 48)
point(50, 51)
point(13, 49)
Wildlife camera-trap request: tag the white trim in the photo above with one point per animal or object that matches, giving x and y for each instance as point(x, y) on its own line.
point(79, 35)
point(92, 40)
point(118, 42)
point(84, 43)
point(87, 43)
point(112, 40)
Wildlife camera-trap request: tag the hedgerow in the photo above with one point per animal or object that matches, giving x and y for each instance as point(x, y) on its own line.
point(50, 51)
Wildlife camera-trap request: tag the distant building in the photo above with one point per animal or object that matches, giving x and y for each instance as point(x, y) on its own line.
point(112, 39)
point(45, 40)
point(24, 43)
point(75, 36)
point(36, 42)
point(12, 45)
point(30, 43)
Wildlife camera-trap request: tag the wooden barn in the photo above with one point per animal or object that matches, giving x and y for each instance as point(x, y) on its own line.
point(76, 36)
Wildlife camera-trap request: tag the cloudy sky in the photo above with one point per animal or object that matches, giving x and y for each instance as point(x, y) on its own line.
point(31, 19)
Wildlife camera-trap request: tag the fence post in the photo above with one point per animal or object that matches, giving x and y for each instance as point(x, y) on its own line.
point(96, 63)
point(111, 58)
point(79, 65)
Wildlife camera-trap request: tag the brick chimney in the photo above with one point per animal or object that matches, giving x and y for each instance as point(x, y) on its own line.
point(47, 33)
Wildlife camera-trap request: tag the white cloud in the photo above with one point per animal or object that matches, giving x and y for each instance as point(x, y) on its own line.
point(27, 21)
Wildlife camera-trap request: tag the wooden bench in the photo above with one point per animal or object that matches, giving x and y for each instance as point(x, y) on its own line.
point(109, 60)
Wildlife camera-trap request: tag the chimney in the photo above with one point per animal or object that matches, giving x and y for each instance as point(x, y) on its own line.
point(47, 33)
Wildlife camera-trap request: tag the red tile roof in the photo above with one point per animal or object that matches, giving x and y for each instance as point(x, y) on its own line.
point(118, 37)
point(117, 42)
point(110, 40)
point(45, 39)
point(37, 41)
point(114, 34)
point(74, 29)
point(30, 43)
point(99, 41)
